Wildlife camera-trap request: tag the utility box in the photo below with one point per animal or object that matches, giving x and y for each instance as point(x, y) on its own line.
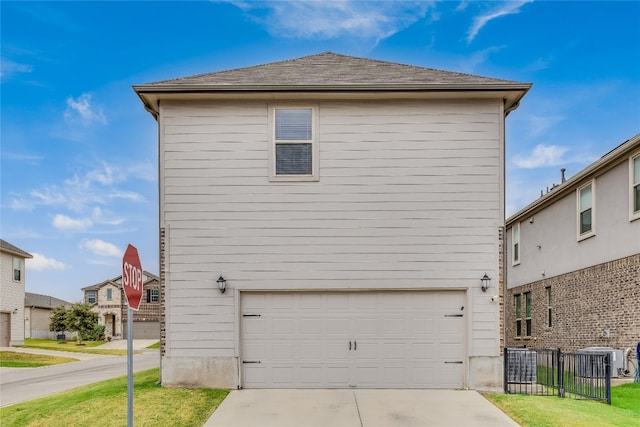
point(615, 359)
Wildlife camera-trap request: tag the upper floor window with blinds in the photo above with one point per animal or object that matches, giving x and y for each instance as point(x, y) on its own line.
point(586, 210)
point(634, 187)
point(294, 149)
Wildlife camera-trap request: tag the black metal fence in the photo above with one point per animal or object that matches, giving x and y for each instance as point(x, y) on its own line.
point(550, 372)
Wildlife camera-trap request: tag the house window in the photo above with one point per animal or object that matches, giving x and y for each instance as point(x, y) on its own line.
point(518, 302)
point(586, 211)
point(634, 186)
point(549, 321)
point(153, 295)
point(109, 294)
point(515, 242)
point(17, 269)
point(294, 149)
point(527, 314)
point(91, 297)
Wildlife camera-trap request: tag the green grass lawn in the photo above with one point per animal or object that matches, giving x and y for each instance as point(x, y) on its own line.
point(13, 359)
point(105, 404)
point(551, 411)
point(72, 346)
point(156, 345)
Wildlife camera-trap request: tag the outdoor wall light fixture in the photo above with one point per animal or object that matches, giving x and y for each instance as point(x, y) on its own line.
point(15, 311)
point(485, 282)
point(222, 284)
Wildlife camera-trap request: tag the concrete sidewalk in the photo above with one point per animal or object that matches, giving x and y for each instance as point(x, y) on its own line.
point(357, 408)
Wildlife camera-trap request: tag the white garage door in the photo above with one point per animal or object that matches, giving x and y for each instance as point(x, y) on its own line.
point(144, 330)
point(392, 339)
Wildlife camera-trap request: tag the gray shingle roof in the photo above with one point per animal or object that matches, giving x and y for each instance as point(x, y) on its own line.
point(330, 73)
point(329, 70)
point(43, 301)
point(8, 247)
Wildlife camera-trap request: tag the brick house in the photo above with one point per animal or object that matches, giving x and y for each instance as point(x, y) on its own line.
point(573, 260)
point(109, 302)
point(351, 206)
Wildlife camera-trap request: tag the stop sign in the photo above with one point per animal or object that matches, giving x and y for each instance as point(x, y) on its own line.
point(132, 277)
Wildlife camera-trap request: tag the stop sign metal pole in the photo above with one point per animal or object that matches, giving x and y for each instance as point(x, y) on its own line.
point(132, 286)
point(129, 367)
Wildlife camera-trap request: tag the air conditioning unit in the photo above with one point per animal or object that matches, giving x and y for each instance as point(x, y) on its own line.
point(589, 368)
point(522, 364)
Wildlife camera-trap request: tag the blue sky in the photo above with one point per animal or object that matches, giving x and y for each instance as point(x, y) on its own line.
point(79, 152)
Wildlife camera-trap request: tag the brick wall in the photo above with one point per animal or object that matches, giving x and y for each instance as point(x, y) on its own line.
point(585, 303)
point(163, 322)
point(148, 311)
point(501, 256)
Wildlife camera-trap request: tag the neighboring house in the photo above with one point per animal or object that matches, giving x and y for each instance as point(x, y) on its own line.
point(351, 207)
point(573, 260)
point(37, 315)
point(109, 302)
point(12, 280)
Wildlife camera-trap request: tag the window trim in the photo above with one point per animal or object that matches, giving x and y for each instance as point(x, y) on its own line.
point(517, 302)
point(528, 304)
point(315, 164)
point(15, 270)
point(150, 295)
point(592, 232)
point(516, 260)
point(95, 297)
point(633, 215)
point(549, 306)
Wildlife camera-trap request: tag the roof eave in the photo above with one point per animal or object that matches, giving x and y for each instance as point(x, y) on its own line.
point(597, 168)
point(151, 94)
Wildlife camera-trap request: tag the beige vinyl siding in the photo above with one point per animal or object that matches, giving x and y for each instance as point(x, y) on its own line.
point(409, 197)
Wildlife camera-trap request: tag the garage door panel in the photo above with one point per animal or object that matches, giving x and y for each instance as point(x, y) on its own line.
point(403, 339)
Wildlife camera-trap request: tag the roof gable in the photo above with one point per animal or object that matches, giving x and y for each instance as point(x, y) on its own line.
point(329, 69)
point(9, 248)
point(334, 75)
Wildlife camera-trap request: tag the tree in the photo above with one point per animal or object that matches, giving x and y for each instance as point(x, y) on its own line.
point(82, 320)
point(58, 319)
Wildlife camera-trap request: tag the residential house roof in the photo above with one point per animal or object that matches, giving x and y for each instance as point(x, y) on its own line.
point(14, 250)
point(600, 166)
point(99, 285)
point(116, 282)
point(331, 72)
point(43, 301)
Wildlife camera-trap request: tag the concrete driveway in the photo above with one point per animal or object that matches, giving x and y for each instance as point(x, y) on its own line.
point(357, 408)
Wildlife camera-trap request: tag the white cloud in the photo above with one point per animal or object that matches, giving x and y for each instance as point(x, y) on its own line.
point(81, 111)
point(127, 195)
point(102, 248)
point(9, 68)
point(78, 193)
point(503, 9)
point(332, 19)
point(63, 222)
point(41, 262)
point(542, 156)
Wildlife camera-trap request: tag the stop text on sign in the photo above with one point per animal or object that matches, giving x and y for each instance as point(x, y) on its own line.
point(131, 276)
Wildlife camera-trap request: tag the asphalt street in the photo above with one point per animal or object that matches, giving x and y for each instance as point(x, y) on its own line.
point(22, 384)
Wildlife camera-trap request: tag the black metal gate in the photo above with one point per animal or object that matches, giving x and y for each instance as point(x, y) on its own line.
point(551, 372)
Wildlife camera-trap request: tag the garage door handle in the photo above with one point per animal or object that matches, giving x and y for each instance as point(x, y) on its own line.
point(457, 362)
point(349, 345)
point(355, 345)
